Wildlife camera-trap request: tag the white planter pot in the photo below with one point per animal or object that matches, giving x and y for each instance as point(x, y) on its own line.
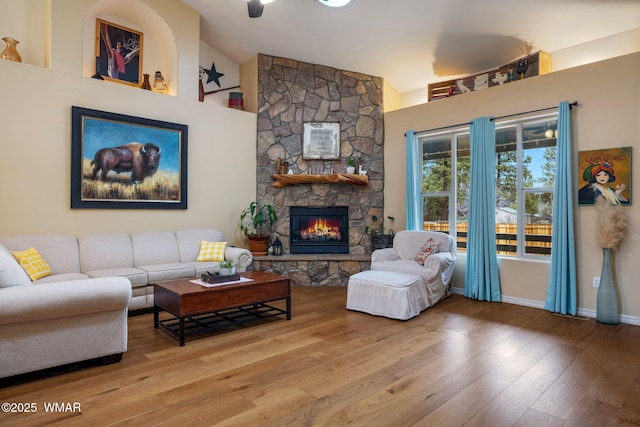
point(228, 271)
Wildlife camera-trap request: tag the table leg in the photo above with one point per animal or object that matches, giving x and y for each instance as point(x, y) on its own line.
point(156, 317)
point(289, 308)
point(181, 332)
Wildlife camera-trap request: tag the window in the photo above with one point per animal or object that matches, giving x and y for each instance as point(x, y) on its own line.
point(525, 165)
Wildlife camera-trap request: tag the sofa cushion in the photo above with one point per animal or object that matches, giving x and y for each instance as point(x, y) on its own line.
point(60, 250)
point(171, 271)
point(204, 267)
point(62, 277)
point(211, 251)
point(33, 264)
point(101, 251)
point(135, 275)
point(11, 274)
point(154, 247)
point(189, 241)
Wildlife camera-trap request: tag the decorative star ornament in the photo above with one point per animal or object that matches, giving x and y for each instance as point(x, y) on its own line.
point(214, 76)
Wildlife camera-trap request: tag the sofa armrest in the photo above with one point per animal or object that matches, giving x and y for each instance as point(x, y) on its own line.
point(241, 257)
point(63, 299)
point(382, 255)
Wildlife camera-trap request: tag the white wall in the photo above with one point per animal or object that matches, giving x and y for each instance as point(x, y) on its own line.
point(608, 116)
point(35, 147)
point(224, 65)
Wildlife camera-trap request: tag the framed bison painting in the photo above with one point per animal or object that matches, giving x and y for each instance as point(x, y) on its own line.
point(125, 162)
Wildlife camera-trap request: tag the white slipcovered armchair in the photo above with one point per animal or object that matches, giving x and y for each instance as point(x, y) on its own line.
point(436, 250)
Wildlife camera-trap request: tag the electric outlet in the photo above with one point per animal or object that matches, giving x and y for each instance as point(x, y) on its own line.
point(596, 282)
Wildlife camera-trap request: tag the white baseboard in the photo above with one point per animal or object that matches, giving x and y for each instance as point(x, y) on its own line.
point(583, 312)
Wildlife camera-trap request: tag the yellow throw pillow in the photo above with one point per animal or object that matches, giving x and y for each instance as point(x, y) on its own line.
point(33, 264)
point(211, 251)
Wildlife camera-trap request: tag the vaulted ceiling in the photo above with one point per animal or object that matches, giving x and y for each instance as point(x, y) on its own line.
point(410, 43)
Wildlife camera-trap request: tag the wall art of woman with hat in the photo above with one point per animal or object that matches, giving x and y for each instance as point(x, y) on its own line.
point(598, 176)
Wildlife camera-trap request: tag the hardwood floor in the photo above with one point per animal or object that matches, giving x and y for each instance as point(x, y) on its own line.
point(461, 362)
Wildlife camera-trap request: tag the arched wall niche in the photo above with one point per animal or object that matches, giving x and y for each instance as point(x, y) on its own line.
point(159, 52)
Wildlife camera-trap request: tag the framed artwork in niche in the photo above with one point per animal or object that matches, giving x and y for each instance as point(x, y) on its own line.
point(605, 172)
point(126, 162)
point(321, 141)
point(118, 53)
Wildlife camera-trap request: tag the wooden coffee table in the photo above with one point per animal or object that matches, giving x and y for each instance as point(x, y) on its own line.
point(199, 310)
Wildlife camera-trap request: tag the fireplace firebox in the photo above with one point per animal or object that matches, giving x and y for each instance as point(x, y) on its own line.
point(319, 230)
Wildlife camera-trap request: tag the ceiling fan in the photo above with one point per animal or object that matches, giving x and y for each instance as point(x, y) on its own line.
point(257, 6)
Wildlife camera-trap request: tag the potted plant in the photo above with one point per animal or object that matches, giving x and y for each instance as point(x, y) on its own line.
point(351, 165)
point(227, 268)
point(255, 222)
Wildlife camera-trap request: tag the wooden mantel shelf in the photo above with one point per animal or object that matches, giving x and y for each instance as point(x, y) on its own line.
point(282, 180)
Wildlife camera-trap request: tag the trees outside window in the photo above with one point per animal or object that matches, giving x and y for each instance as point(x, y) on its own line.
point(525, 168)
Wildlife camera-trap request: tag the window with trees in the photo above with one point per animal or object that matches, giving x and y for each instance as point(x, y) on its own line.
point(525, 165)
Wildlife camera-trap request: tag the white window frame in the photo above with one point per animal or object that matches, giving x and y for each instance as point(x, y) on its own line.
point(521, 191)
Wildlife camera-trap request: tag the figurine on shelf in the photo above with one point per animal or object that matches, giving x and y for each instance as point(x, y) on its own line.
point(361, 171)
point(159, 83)
point(523, 66)
point(523, 63)
point(146, 85)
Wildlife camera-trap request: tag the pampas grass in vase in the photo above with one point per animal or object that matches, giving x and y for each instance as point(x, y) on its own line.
point(611, 229)
point(612, 224)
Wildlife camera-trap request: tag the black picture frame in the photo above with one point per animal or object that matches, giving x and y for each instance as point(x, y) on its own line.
point(145, 162)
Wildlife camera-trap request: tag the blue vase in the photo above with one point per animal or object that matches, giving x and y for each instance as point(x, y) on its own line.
point(607, 304)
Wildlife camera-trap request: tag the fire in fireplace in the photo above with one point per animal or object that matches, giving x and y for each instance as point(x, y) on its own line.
point(319, 230)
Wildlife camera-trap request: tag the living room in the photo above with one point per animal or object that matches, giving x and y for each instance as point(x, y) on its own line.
point(605, 118)
point(55, 75)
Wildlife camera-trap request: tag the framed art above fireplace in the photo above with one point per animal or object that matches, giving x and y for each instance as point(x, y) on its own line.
point(321, 141)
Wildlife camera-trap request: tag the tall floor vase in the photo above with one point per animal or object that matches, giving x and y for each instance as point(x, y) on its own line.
point(607, 304)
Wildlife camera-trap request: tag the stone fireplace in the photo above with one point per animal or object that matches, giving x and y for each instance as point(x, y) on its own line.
point(291, 93)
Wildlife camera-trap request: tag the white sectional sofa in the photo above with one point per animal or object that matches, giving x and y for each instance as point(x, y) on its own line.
point(79, 312)
point(143, 257)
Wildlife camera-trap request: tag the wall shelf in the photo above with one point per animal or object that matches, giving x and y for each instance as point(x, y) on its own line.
point(538, 63)
point(282, 180)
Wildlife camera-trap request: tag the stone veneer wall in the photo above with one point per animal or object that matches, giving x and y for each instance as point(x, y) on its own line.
point(291, 93)
point(314, 270)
